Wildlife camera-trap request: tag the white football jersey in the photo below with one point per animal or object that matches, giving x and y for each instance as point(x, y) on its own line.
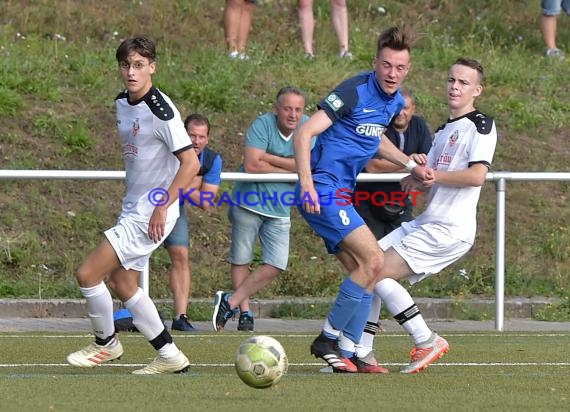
point(152, 132)
point(457, 144)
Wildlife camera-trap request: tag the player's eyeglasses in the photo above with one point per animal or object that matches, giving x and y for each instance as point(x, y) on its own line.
point(136, 65)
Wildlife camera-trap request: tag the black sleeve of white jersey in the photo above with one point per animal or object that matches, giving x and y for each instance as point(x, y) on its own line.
point(484, 125)
point(158, 105)
point(482, 122)
point(343, 99)
point(123, 95)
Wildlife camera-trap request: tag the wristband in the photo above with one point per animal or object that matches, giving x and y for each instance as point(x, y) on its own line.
point(410, 165)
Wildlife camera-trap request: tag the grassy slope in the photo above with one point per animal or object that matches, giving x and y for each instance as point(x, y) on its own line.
point(56, 112)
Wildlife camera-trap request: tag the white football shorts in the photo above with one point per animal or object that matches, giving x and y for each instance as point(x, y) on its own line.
point(132, 245)
point(427, 248)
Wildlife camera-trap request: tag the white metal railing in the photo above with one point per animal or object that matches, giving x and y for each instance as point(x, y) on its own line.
point(500, 179)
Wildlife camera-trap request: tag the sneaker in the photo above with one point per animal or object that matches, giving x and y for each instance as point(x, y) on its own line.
point(182, 324)
point(345, 55)
point(368, 364)
point(233, 55)
point(426, 353)
point(327, 349)
point(243, 56)
point(94, 355)
point(555, 53)
point(222, 310)
point(176, 364)
point(309, 56)
point(245, 322)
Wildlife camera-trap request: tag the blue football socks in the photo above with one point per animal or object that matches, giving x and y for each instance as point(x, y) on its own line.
point(347, 302)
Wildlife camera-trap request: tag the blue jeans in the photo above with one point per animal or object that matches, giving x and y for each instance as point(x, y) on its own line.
point(179, 235)
point(273, 233)
point(554, 7)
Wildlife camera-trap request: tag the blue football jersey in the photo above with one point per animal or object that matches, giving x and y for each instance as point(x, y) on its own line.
point(360, 111)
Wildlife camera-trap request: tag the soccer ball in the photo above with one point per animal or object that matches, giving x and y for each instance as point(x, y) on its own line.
point(261, 361)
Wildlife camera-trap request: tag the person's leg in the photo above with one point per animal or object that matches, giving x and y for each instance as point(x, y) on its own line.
point(180, 281)
point(147, 320)
point(339, 16)
point(416, 252)
point(240, 274)
point(366, 343)
point(232, 16)
point(548, 28)
point(245, 230)
point(362, 354)
point(307, 25)
point(274, 241)
point(90, 276)
point(550, 10)
point(244, 29)
point(252, 283)
point(177, 244)
point(399, 302)
point(362, 247)
point(428, 345)
point(352, 304)
point(180, 284)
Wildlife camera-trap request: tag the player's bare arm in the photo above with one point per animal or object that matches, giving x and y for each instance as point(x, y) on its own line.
point(318, 123)
point(386, 166)
point(388, 151)
point(383, 166)
point(189, 167)
point(472, 176)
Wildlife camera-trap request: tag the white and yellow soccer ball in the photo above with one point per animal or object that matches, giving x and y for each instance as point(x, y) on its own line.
point(261, 361)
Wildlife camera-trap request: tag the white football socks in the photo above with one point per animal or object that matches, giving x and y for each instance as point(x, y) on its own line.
point(147, 320)
point(366, 344)
point(100, 309)
point(397, 299)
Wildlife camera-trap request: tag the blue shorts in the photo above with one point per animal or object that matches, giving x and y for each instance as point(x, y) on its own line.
point(179, 235)
point(554, 7)
point(273, 233)
point(338, 217)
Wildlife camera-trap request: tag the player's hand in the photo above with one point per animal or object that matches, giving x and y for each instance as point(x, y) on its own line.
point(422, 173)
point(429, 181)
point(419, 158)
point(157, 224)
point(310, 200)
point(410, 183)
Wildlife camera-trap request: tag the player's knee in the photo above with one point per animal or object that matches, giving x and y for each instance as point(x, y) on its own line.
point(123, 288)
point(373, 267)
point(370, 269)
point(84, 277)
